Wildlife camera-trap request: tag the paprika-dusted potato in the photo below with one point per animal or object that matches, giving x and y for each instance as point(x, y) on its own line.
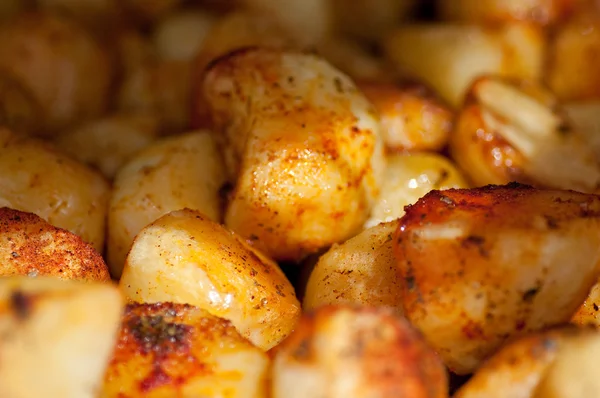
point(412, 117)
point(63, 332)
point(54, 58)
point(360, 271)
point(176, 350)
point(409, 177)
point(303, 145)
point(542, 12)
point(184, 257)
point(516, 131)
point(30, 246)
point(349, 351)
point(449, 57)
point(37, 178)
point(482, 265)
point(172, 174)
point(110, 142)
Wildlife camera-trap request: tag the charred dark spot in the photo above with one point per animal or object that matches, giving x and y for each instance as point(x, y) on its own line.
point(21, 304)
point(14, 254)
point(302, 352)
point(595, 307)
point(529, 295)
point(476, 241)
point(410, 282)
point(155, 334)
point(551, 222)
point(338, 85)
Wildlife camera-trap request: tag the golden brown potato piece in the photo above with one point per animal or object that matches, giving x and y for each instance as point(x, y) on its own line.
point(19, 110)
point(370, 19)
point(161, 89)
point(449, 57)
point(360, 271)
point(176, 350)
point(37, 178)
point(516, 131)
point(589, 312)
point(485, 264)
point(30, 246)
point(408, 177)
point(304, 147)
point(108, 143)
point(172, 174)
point(542, 12)
point(180, 35)
point(56, 336)
point(343, 351)
point(68, 73)
point(184, 257)
point(574, 58)
point(412, 117)
point(517, 368)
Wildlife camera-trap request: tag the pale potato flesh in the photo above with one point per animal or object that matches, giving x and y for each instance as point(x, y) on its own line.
point(353, 351)
point(360, 271)
point(303, 145)
point(184, 257)
point(56, 336)
point(482, 265)
point(176, 350)
point(29, 246)
point(37, 178)
point(172, 174)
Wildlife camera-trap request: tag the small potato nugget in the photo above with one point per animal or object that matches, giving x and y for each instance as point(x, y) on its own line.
point(56, 336)
point(176, 350)
point(360, 271)
point(68, 72)
point(480, 266)
point(172, 174)
point(412, 117)
point(302, 144)
point(347, 351)
point(449, 57)
point(30, 246)
point(108, 143)
point(408, 178)
point(184, 257)
point(37, 178)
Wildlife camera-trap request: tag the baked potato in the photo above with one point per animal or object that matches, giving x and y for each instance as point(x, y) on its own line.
point(184, 257)
point(176, 350)
point(36, 177)
point(59, 332)
point(172, 174)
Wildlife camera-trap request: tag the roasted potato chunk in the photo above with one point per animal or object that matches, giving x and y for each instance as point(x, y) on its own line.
point(409, 177)
point(449, 57)
point(412, 117)
point(184, 257)
point(360, 271)
point(54, 58)
point(167, 350)
point(589, 312)
point(30, 246)
point(516, 131)
point(574, 58)
point(342, 351)
point(172, 174)
point(517, 368)
point(108, 143)
point(303, 145)
point(542, 12)
point(60, 332)
point(37, 178)
point(482, 265)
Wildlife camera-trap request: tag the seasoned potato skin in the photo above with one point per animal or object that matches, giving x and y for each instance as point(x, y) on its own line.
point(346, 351)
point(412, 117)
point(54, 58)
point(166, 349)
point(307, 170)
point(35, 177)
point(31, 246)
point(360, 271)
point(63, 332)
point(172, 174)
point(482, 265)
point(184, 257)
